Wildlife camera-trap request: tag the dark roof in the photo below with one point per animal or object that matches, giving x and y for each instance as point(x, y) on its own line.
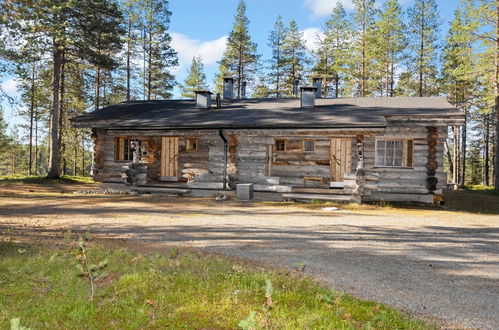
point(265, 113)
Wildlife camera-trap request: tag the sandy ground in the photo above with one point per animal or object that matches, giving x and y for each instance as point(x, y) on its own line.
point(435, 264)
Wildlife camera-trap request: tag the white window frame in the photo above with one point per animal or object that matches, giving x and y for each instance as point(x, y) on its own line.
point(404, 152)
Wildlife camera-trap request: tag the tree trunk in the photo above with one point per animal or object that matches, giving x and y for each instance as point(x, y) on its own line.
point(149, 65)
point(496, 91)
point(487, 151)
point(54, 159)
point(36, 143)
point(463, 148)
point(97, 87)
point(455, 173)
point(449, 157)
point(31, 117)
point(128, 56)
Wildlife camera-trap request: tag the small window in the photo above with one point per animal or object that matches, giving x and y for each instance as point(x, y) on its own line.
point(191, 144)
point(394, 152)
point(308, 145)
point(123, 150)
point(280, 145)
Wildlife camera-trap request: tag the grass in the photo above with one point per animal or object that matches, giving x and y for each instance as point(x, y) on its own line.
point(473, 198)
point(42, 180)
point(41, 286)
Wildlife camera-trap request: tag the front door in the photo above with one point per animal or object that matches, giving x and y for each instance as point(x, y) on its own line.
point(169, 158)
point(341, 159)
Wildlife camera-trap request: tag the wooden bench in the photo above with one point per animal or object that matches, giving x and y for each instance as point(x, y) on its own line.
point(318, 179)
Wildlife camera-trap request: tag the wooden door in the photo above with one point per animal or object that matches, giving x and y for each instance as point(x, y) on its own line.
point(341, 158)
point(169, 158)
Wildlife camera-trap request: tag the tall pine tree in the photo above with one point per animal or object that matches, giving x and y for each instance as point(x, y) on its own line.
point(196, 79)
point(295, 52)
point(363, 18)
point(240, 57)
point(423, 31)
point(277, 62)
point(390, 44)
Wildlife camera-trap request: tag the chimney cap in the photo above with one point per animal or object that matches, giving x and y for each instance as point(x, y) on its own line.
point(228, 78)
point(308, 88)
point(203, 91)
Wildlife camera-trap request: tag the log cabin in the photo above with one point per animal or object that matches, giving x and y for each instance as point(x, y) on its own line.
point(343, 149)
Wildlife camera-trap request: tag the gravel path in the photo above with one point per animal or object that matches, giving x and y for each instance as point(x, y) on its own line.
point(442, 266)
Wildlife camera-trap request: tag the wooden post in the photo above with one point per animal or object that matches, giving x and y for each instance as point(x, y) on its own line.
point(360, 173)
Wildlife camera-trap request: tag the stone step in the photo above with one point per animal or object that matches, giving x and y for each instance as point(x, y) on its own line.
point(158, 190)
point(320, 197)
point(320, 191)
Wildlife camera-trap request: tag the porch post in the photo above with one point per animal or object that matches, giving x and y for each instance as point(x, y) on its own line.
point(360, 173)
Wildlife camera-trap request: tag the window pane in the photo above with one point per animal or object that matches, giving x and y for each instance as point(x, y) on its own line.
point(397, 161)
point(399, 152)
point(399, 144)
point(308, 145)
point(389, 144)
point(381, 144)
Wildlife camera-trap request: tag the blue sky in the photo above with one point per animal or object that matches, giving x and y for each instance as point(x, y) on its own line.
point(199, 27)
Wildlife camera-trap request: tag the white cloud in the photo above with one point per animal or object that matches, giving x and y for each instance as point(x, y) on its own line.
point(311, 37)
point(187, 48)
point(9, 87)
point(321, 8)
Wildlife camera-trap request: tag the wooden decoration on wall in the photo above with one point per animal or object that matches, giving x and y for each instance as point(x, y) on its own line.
point(432, 165)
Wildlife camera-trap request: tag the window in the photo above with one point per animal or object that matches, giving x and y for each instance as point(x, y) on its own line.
point(191, 144)
point(280, 145)
point(308, 145)
point(394, 152)
point(123, 150)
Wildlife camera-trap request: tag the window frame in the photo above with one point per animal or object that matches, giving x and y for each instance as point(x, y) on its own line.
point(405, 152)
point(303, 145)
point(284, 144)
point(120, 155)
point(189, 143)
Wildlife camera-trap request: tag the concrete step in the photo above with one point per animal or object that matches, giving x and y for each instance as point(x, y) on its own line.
point(320, 191)
point(320, 197)
point(158, 190)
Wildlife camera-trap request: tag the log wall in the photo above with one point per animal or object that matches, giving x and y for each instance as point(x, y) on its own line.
point(249, 157)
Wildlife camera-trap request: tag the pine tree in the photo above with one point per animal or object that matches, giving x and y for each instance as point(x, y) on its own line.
point(486, 29)
point(240, 58)
point(261, 89)
point(459, 75)
point(334, 49)
point(390, 44)
point(423, 41)
point(131, 11)
point(159, 57)
point(295, 52)
point(363, 18)
point(278, 61)
point(62, 28)
point(196, 79)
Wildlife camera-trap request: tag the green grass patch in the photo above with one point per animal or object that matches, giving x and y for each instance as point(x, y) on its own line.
point(480, 188)
point(43, 287)
point(42, 180)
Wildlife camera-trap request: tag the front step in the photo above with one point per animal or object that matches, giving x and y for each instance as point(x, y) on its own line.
point(158, 190)
point(320, 191)
point(325, 198)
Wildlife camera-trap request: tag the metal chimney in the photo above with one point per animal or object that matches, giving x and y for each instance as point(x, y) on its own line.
point(228, 88)
point(295, 87)
point(307, 97)
point(203, 99)
point(243, 89)
point(218, 100)
point(317, 82)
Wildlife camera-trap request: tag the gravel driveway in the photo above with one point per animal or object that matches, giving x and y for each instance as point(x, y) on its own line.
point(439, 265)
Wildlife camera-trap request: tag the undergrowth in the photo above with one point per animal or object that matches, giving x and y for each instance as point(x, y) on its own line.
point(45, 288)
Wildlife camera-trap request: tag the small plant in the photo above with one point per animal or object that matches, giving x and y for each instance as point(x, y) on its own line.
point(300, 266)
point(15, 324)
point(92, 272)
point(248, 323)
point(174, 252)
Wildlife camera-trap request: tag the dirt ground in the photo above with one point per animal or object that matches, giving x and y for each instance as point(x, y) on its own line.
point(437, 264)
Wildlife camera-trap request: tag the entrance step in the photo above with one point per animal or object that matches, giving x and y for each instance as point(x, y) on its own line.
point(158, 190)
point(320, 191)
point(321, 197)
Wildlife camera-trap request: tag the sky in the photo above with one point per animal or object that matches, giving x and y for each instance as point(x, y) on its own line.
point(200, 27)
